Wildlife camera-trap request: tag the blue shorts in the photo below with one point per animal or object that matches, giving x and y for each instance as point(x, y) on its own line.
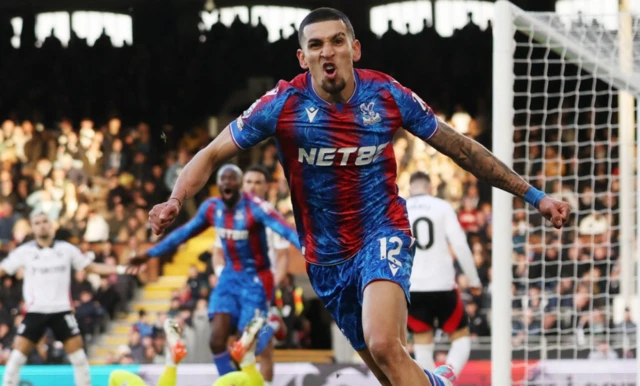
point(341, 286)
point(238, 294)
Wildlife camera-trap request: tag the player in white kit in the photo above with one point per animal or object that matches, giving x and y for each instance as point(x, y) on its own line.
point(255, 181)
point(48, 265)
point(434, 293)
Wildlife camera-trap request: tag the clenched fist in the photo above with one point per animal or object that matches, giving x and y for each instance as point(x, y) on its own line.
point(555, 211)
point(162, 215)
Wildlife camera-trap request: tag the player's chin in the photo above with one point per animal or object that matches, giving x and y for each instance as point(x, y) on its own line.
point(228, 198)
point(333, 86)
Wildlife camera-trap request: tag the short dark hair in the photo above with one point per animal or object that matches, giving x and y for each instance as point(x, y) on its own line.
point(325, 14)
point(420, 176)
point(259, 169)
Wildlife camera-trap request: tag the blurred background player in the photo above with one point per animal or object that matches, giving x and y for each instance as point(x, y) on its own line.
point(434, 294)
point(246, 279)
point(255, 180)
point(48, 265)
point(175, 352)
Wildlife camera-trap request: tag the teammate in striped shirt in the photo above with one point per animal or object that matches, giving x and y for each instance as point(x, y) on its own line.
point(255, 181)
point(246, 282)
point(334, 127)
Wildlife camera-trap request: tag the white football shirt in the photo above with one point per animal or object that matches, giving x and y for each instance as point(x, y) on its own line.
point(435, 226)
point(47, 274)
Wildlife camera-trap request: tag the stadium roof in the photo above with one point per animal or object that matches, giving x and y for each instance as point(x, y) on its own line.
point(15, 7)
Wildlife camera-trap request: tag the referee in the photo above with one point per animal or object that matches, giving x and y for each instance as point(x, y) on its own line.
point(48, 264)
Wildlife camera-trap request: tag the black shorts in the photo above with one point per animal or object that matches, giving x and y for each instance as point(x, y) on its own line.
point(63, 325)
point(431, 310)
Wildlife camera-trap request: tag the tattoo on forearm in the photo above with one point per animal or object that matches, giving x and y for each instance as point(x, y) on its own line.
point(475, 158)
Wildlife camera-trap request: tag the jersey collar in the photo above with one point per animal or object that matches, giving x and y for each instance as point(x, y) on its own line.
point(53, 242)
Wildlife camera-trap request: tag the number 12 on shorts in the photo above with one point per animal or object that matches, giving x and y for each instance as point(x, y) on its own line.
point(390, 248)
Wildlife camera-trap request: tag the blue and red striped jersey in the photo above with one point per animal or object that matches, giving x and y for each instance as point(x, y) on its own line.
point(338, 158)
point(241, 229)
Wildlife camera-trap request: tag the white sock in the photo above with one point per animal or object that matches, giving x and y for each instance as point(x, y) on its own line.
point(424, 355)
point(12, 369)
point(168, 357)
point(459, 353)
point(248, 359)
point(80, 364)
point(267, 383)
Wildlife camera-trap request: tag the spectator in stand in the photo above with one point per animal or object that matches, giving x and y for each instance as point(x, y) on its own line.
point(80, 284)
point(142, 325)
point(116, 161)
point(627, 325)
point(8, 220)
point(602, 352)
point(478, 324)
point(174, 307)
point(88, 314)
point(97, 228)
point(107, 296)
point(135, 346)
point(195, 282)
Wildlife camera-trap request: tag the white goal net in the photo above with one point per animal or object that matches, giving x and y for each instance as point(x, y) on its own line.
point(565, 92)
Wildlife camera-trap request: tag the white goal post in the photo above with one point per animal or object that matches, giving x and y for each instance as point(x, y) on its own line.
point(565, 95)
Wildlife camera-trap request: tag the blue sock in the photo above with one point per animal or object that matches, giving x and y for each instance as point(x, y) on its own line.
point(223, 363)
point(434, 379)
point(264, 337)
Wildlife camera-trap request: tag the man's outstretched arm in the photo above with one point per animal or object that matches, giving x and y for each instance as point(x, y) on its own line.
point(256, 124)
point(192, 179)
point(197, 172)
point(478, 160)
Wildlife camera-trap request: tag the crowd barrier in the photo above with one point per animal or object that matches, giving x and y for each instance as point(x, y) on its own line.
point(476, 373)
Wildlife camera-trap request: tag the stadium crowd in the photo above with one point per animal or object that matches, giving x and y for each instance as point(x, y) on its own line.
point(167, 80)
point(98, 177)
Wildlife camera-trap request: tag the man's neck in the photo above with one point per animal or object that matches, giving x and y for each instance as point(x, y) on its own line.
point(341, 97)
point(232, 203)
point(422, 193)
point(44, 243)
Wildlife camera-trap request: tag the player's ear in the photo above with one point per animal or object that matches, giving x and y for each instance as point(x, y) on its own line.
point(302, 60)
point(357, 50)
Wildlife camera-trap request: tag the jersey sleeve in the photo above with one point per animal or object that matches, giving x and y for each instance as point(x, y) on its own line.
point(417, 116)
point(79, 260)
point(269, 217)
point(194, 227)
point(259, 121)
point(14, 261)
point(458, 240)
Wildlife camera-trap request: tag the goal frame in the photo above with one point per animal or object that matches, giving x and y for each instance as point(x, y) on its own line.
point(616, 69)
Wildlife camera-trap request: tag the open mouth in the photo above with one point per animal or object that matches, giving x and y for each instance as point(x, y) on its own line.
point(227, 191)
point(329, 70)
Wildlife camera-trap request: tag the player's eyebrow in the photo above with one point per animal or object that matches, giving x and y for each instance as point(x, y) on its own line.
point(335, 36)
